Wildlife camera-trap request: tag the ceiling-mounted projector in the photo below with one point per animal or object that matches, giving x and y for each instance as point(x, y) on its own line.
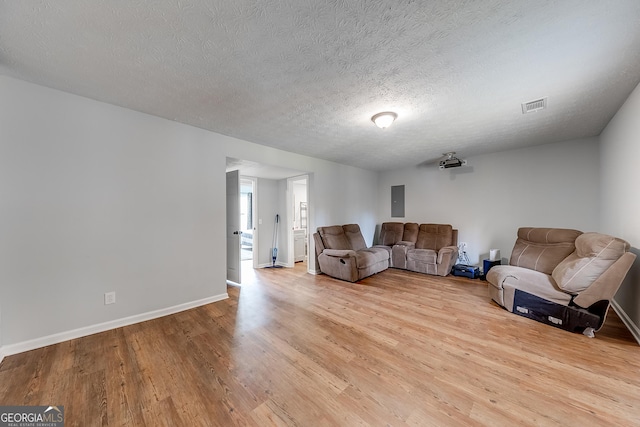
point(451, 161)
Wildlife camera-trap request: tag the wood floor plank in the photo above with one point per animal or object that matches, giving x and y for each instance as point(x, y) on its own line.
point(289, 348)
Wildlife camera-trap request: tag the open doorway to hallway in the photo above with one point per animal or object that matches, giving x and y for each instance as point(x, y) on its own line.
point(259, 203)
point(298, 201)
point(247, 218)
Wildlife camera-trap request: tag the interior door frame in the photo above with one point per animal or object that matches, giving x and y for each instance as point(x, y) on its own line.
point(254, 207)
point(290, 219)
point(234, 275)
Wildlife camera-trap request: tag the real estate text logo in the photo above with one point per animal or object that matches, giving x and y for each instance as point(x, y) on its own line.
point(31, 416)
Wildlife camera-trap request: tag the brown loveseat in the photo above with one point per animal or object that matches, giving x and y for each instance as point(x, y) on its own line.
point(424, 248)
point(342, 253)
point(561, 277)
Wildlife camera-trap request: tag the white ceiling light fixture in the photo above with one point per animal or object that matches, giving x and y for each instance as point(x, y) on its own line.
point(384, 120)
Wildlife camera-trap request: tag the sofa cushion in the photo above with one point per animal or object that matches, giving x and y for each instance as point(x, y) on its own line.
point(542, 249)
point(434, 236)
point(386, 248)
point(333, 237)
point(371, 256)
point(422, 261)
point(594, 254)
point(505, 279)
point(391, 233)
point(410, 234)
point(354, 236)
point(548, 235)
point(426, 256)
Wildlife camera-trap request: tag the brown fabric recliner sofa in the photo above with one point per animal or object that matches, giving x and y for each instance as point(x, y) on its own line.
point(342, 253)
point(424, 248)
point(562, 277)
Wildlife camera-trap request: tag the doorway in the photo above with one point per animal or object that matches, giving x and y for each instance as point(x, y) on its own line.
point(271, 182)
point(298, 212)
point(247, 220)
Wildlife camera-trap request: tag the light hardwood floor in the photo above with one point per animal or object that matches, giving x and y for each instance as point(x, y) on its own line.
point(289, 348)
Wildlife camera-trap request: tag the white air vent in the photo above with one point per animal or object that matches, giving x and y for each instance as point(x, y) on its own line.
point(531, 106)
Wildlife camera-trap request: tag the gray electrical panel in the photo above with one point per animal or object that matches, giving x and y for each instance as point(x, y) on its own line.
point(397, 201)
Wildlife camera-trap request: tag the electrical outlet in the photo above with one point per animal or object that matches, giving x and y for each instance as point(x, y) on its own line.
point(109, 298)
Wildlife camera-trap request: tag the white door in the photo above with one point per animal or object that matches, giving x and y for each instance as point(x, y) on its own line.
point(233, 226)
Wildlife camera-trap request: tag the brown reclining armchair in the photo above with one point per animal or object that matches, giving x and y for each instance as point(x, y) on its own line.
point(562, 277)
point(342, 253)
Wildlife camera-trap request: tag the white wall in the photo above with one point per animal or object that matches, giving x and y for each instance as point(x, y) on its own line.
point(268, 207)
point(620, 151)
point(553, 185)
point(97, 198)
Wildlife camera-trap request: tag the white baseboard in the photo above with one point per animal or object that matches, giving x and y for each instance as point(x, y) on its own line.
point(633, 328)
point(20, 347)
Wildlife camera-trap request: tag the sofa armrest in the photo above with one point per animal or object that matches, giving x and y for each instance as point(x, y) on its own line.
point(319, 246)
point(446, 259)
point(606, 286)
point(399, 254)
point(340, 253)
point(447, 253)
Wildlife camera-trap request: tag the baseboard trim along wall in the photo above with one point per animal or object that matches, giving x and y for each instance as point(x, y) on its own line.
point(633, 328)
point(21, 347)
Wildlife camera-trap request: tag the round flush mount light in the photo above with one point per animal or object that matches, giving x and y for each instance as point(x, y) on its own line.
point(384, 120)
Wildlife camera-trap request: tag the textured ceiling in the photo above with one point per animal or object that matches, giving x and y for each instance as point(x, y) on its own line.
point(306, 75)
